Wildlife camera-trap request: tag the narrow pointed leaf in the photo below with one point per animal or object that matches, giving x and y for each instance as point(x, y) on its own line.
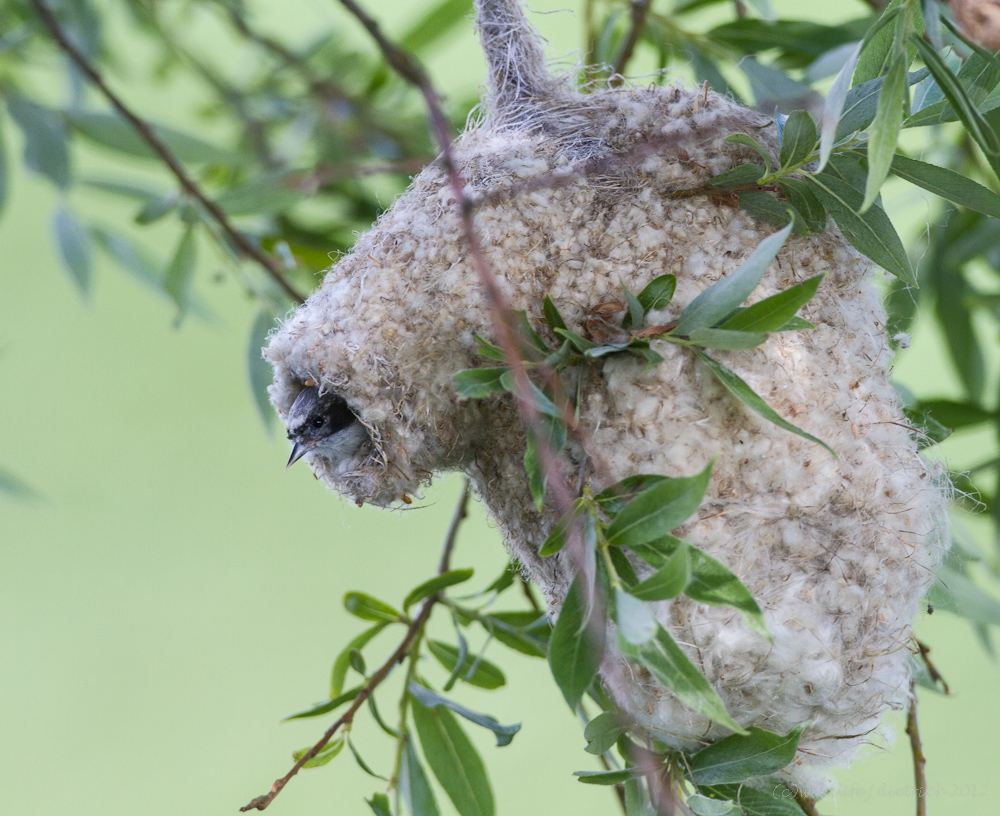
point(948, 184)
point(799, 139)
point(884, 132)
point(323, 757)
point(872, 234)
point(552, 316)
point(719, 299)
point(180, 273)
point(745, 394)
point(674, 669)
point(634, 619)
point(379, 803)
point(575, 647)
point(453, 760)
point(740, 757)
point(478, 383)
point(475, 671)
point(436, 584)
point(726, 339)
point(413, 785)
point(605, 777)
point(749, 141)
point(771, 313)
point(504, 733)
point(343, 661)
point(833, 108)
point(741, 174)
point(635, 314)
point(805, 203)
point(73, 242)
point(668, 581)
point(326, 707)
point(45, 148)
point(364, 606)
point(602, 733)
point(658, 509)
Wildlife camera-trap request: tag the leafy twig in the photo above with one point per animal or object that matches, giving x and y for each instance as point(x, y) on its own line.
point(639, 9)
point(413, 632)
point(173, 164)
point(919, 760)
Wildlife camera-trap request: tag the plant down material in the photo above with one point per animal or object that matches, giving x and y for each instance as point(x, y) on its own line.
point(577, 195)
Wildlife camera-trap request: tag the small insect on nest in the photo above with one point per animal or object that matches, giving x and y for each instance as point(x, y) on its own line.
point(577, 196)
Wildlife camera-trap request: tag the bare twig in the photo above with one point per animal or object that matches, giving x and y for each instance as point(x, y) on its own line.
point(919, 760)
point(741, 9)
point(413, 632)
point(931, 668)
point(639, 9)
point(149, 136)
point(526, 589)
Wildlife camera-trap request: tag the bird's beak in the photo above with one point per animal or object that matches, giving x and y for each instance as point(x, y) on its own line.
point(298, 451)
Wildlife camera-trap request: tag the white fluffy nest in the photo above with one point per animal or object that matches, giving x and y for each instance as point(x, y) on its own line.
point(837, 552)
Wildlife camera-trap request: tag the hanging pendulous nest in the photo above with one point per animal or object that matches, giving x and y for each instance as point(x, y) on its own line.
point(837, 551)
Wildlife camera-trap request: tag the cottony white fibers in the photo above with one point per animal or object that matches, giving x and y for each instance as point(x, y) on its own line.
point(837, 552)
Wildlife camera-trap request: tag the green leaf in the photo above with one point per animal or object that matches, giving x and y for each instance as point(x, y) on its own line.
point(556, 540)
point(368, 608)
point(258, 369)
point(487, 349)
point(658, 509)
point(726, 339)
point(323, 757)
point(550, 433)
point(504, 733)
point(606, 777)
point(636, 314)
point(155, 208)
point(326, 706)
point(861, 106)
point(262, 196)
point(74, 247)
point(739, 175)
point(776, 801)
point(719, 299)
point(675, 671)
point(602, 733)
point(45, 148)
point(379, 803)
point(955, 414)
point(634, 619)
point(796, 324)
point(765, 207)
point(745, 394)
point(612, 499)
point(524, 632)
point(771, 313)
point(180, 273)
point(575, 647)
point(361, 761)
point(668, 581)
point(343, 660)
point(878, 46)
point(805, 203)
point(704, 806)
point(436, 584)
point(414, 788)
point(579, 343)
point(798, 140)
point(976, 125)
point(749, 141)
point(711, 582)
point(542, 403)
point(956, 593)
point(111, 131)
point(437, 22)
point(884, 133)
point(478, 383)
point(833, 108)
point(476, 671)
point(658, 293)
point(740, 757)
point(872, 234)
point(948, 184)
point(552, 316)
point(453, 760)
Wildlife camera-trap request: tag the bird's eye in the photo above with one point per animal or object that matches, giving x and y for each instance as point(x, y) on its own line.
point(317, 422)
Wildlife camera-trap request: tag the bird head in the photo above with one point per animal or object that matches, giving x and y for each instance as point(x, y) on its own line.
point(322, 423)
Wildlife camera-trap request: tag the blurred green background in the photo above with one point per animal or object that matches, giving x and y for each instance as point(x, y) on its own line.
point(171, 593)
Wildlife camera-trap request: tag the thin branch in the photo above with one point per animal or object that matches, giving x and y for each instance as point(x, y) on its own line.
point(148, 135)
point(919, 760)
point(639, 9)
point(413, 631)
point(526, 589)
point(931, 668)
point(808, 805)
point(741, 9)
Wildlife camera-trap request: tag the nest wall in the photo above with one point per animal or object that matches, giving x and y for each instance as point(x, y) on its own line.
point(837, 551)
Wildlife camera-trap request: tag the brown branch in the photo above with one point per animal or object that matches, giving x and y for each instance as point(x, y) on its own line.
point(412, 632)
point(931, 668)
point(919, 760)
point(526, 589)
point(741, 9)
point(808, 805)
point(149, 136)
point(639, 9)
